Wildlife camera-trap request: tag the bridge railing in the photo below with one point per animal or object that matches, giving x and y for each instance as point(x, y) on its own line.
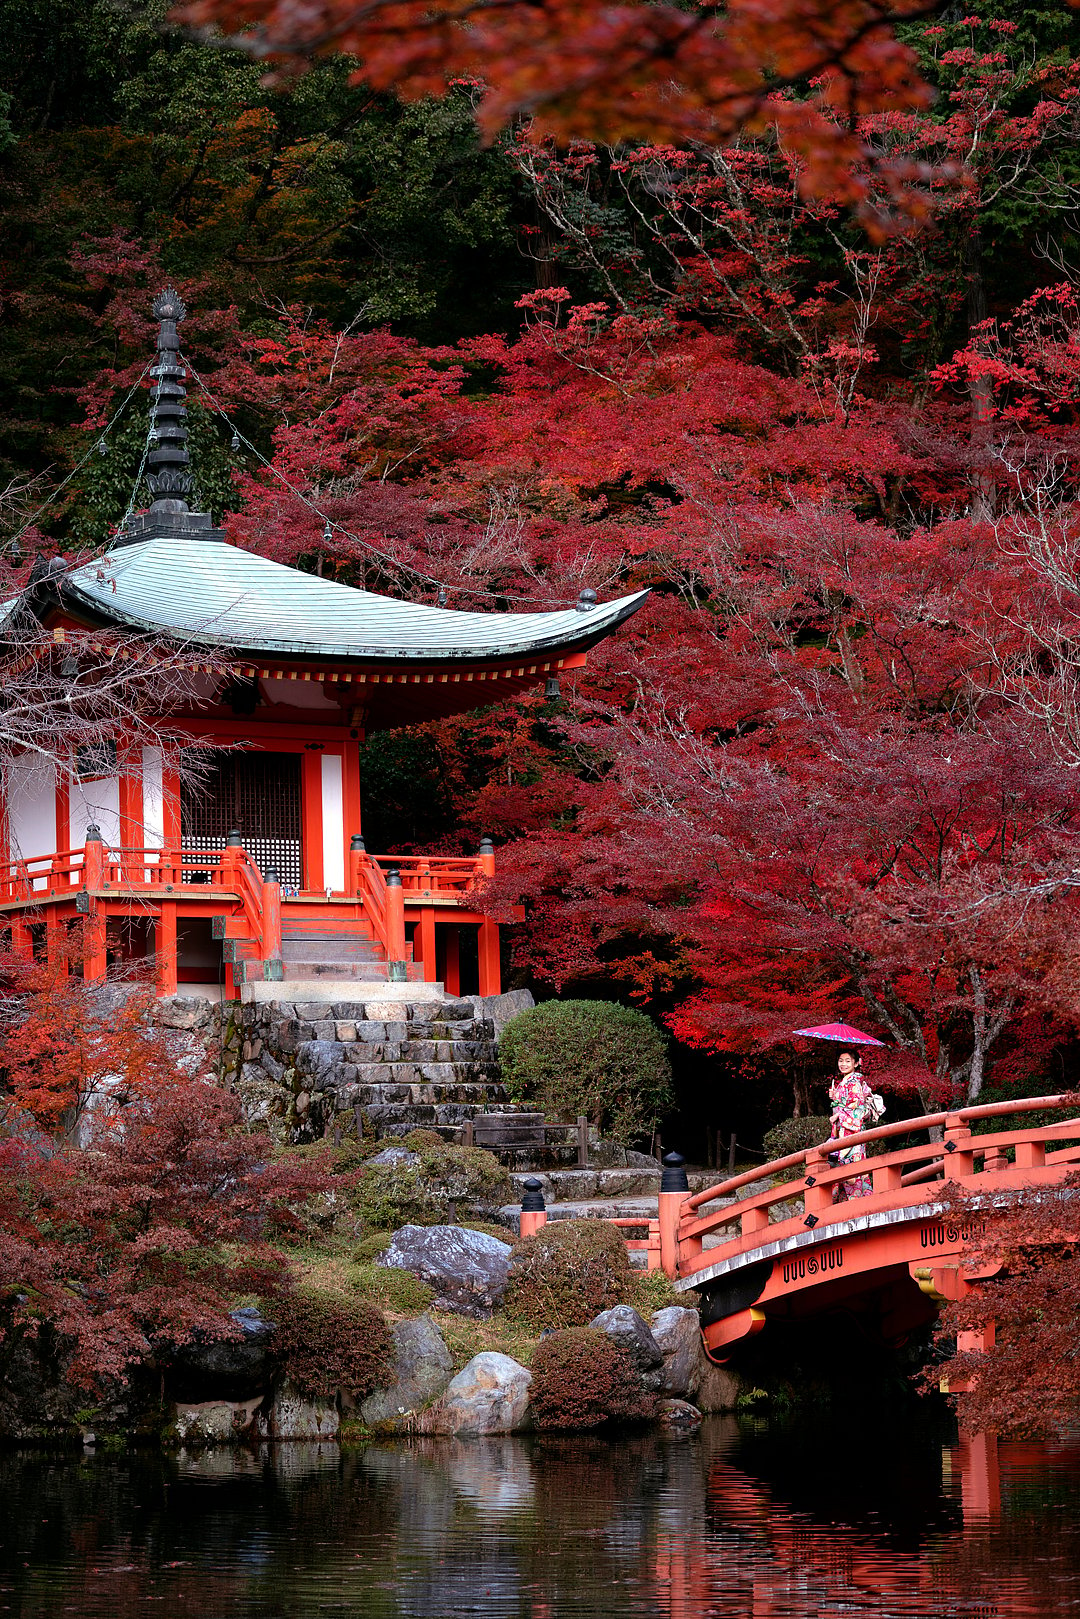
point(796, 1192)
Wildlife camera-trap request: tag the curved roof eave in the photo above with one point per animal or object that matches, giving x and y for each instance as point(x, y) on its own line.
point(221, 596)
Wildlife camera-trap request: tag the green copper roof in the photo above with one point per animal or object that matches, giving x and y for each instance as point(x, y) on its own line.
point(218, 595)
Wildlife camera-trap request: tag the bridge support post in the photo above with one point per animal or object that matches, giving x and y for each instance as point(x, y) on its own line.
point(674, 1187)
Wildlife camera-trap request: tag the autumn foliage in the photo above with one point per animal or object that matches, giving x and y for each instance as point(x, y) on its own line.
point(142, 1233)
point(1030, 1382)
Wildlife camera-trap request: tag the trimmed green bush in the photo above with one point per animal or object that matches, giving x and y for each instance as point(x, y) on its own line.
point(567, 1273)
point(592, 1058)
point(580, 1379)
point(421, 1193)
point(325, 1344)
point(795, 1135)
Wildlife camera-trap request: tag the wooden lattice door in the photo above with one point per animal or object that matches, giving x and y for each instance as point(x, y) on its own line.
point(259, 795)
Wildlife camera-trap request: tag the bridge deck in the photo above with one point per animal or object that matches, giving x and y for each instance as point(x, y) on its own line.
point(773, 1242)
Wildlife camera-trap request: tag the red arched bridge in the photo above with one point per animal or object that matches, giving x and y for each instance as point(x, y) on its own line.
point(772, 1245)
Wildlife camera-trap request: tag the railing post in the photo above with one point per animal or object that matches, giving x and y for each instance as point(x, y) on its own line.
point(357, 852)
point(674, 1187)
point(230, 860)
point(271, 915)
point(959, 1164)
point(816, 1198)
point(395, 927)
point(533, 1207)
point(487, 857)
point(95, 961)
point(582, 1141)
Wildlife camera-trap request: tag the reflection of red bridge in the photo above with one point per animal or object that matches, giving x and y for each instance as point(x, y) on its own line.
point(772, 1245)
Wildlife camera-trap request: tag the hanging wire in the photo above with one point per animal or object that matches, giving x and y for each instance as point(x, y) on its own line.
point(330, 528)
point(102, 436)
point(151, 438)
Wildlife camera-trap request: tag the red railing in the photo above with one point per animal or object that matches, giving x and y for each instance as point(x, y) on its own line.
point(432, 876)
point(898, 1178)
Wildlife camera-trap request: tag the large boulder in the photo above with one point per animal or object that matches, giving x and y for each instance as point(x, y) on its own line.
point(467, 1269)
point(293, 1415)
point(422, 1367)
point(489, 1395)
point(216, 1422)
point(625, 1327)
point(225, 1368)
point(677, 1333)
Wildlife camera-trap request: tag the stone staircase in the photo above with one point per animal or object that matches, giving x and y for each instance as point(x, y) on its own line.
point(312, 951)
point(388, 1065)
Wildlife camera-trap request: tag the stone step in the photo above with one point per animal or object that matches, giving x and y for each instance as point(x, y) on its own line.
point(343, 972)
point(576, 1185)
point(593, 1208)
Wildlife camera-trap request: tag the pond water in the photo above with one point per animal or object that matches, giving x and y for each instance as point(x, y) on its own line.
point(744, 1520)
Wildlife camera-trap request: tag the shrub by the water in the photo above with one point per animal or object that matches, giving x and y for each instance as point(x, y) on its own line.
point(580, 1379)
point(592, 1058)
point(567, 1273)
point(443, 1179)
point(325, 1344)
point(795, 1135)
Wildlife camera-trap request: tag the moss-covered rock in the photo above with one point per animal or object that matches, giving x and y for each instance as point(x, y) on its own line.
point(424, 1180)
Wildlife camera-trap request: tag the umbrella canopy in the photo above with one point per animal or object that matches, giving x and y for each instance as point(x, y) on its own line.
point(840, 1031)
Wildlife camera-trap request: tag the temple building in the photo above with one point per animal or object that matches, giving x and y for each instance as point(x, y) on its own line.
point(255, 872)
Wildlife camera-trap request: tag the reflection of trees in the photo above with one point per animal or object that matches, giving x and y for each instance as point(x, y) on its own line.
point(543, 1529)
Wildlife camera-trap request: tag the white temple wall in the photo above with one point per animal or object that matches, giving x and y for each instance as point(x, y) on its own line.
point(153, 790)
point(333, 822)
point(31, 810)
point(96, 801)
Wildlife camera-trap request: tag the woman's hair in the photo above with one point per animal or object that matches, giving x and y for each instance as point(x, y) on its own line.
point(856, 1056)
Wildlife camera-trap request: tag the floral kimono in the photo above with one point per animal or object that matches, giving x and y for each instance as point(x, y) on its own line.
point(851, 1112)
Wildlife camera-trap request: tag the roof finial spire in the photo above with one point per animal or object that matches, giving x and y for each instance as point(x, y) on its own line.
point(169, 478)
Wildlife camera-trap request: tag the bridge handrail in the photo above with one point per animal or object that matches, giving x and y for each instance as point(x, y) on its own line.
point(881, 1132)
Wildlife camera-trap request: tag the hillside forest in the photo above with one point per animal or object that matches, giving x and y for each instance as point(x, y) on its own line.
point(830, 771)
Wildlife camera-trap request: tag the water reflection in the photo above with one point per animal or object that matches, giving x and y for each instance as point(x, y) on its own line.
point(748, 1522)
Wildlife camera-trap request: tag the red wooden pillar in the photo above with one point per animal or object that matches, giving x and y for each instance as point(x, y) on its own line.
point(426, 934)
point(132, 835)
point(94, 962)
point(311, 811)
point(453, 968)
point(488, 942)
point(490, 968)
point(54, 941)
point(165, 941)
point(22, 941)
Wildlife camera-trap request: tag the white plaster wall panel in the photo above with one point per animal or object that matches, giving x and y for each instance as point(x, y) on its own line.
point(333, 822)
point(96, 801)
point(153, 830)
point(31, 799)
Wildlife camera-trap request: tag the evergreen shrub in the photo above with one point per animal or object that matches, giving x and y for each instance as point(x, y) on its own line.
point(795, 1135)
point(324, 1344)
point(567, 1273)
point(580, 1379)
point(591, 1058)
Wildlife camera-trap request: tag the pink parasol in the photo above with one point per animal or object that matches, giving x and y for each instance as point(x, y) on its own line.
point(840, 1031)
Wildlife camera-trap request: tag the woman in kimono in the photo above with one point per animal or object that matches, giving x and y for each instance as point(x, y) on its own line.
point(852, 1111)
